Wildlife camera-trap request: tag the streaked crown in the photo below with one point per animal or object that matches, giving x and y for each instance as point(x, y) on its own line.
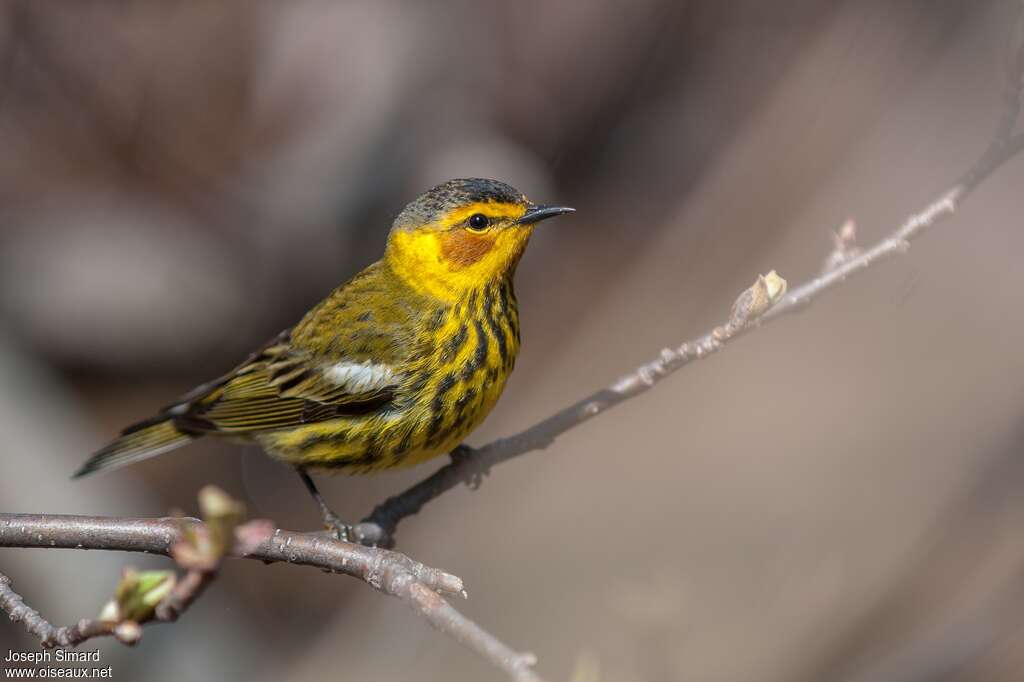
point(434, 205)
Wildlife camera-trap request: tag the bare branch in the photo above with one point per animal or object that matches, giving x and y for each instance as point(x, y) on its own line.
point(157, 536)
point(389, 572)
point(49, 635)
point(469, 465)
point(447, 619)
point(199, 547)
point(147, 596)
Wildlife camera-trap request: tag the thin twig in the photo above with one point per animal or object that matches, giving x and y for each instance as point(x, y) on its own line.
point(469, 465)
point(158, 536)
point(128, 632)
point(420, 586)
point(390, 572)
point(444, 617)
point(49, 635)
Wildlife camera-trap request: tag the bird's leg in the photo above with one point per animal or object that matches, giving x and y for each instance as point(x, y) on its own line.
point(339, 528)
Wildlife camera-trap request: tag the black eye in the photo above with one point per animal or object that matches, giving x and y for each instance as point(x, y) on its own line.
point(478, 221)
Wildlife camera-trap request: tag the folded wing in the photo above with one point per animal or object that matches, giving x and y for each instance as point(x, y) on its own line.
point(281, 387)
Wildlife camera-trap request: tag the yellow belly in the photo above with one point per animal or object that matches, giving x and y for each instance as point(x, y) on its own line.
point(388, 441)
point(450, 387)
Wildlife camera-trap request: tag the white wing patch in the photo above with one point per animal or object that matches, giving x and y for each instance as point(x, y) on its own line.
point(360, 377)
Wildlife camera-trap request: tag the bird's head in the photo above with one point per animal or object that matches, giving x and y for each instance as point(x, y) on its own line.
point(463, 234)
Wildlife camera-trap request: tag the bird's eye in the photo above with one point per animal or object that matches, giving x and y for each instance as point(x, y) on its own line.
point(478, 222)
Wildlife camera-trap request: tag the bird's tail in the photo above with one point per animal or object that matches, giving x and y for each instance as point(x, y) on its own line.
point(136, 443)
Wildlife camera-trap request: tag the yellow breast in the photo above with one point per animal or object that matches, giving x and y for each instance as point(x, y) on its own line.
point(467, 355)
point(462, 357)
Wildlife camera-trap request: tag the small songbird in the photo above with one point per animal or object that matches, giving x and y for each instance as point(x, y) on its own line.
point(394, 367)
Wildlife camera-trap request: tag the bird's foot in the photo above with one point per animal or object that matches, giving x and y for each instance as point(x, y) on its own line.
point(464, 456)
point(337, 528)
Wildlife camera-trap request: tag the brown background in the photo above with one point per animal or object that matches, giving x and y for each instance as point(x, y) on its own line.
point(836, 497)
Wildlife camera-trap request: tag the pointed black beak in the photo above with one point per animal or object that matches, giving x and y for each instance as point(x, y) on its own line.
point(538, 212)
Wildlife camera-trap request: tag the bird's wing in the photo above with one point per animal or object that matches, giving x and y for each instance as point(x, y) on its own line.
point(281, 387)
point(344, 358)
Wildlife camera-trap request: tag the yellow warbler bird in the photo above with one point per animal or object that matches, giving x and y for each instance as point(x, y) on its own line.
point(394, 367)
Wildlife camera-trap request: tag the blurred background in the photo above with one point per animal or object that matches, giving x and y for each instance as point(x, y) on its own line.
point(835, 497)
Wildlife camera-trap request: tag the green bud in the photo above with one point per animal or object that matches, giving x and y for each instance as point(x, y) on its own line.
point(137, 595)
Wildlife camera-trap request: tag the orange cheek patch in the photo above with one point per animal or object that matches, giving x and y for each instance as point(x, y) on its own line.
point(463, 248)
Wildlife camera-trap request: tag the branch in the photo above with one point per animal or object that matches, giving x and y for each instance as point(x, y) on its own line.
point(200, 547)
point(145, 596)
point(470, 465)
point(394, 574)
point(49, 635)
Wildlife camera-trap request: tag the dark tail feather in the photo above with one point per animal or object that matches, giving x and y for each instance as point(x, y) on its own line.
point(137, 443)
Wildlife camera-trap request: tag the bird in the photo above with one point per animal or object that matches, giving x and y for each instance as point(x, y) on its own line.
point(394, 367)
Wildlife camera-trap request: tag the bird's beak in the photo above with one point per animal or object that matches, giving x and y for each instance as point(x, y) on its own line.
point(538, 212)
